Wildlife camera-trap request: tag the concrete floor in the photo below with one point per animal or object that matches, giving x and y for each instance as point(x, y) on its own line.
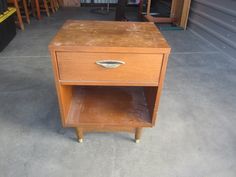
point(195, 135)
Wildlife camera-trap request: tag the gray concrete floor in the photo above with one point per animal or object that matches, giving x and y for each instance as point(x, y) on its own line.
point(195, 135)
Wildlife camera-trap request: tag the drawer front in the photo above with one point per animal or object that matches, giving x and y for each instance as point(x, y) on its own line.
point(83, 67)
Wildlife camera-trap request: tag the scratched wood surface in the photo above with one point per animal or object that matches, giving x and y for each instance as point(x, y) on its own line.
point(109, 34)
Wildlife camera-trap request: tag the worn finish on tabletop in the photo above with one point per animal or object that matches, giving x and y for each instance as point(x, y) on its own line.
point(94, 36)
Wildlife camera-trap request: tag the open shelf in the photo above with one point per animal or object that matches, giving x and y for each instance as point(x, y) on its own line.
point(108, 106)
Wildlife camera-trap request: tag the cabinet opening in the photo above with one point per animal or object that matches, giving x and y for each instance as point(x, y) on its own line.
point(110, 106)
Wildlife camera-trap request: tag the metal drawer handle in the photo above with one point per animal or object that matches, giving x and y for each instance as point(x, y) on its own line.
point(109, 63)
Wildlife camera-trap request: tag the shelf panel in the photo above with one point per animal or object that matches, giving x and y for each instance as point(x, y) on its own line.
point(108, 106)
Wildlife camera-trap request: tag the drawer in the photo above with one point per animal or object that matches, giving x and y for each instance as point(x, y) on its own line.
point(134, 68)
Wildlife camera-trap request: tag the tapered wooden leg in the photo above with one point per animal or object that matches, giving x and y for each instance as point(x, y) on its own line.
point(57, 4)
point(52, 6)
point(46, 7)
point(19, 15)
point(140, 8)
point(138, 133)
point(80, 134)
point(38, 9)
point(33, 8)
point(26, 11)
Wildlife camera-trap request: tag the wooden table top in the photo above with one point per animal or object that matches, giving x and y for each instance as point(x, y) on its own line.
point(98, 35)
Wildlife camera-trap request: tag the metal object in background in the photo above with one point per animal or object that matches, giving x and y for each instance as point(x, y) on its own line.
point(105, 10)
point(102, 10)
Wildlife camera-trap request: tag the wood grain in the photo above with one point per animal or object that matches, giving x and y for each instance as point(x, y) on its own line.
point(108, 128)
point(180, 10)
point(185, 13)
point(81, 67)
point(60, 93)
point(178, 15)
point(150, 95)
point(99, 35)
point(159, 89)
point(113, 106)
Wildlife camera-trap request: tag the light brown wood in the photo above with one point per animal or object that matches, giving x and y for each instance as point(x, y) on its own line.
point(64, 93)
point(82, 67)
point(185, 13)
point(46, 7)
point(18, 13)
point(105, 36)
point(178, 15)
point(26, 11)
point(38, 9)
point(109, 106)
point(66, 97)
point(174, 7)
point(128, 96)
point(159, 19)
point(159, 89)
point(109, 128)
point(180, 10)
point(148, 7)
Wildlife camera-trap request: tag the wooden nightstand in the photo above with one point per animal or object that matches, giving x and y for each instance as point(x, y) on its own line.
point(109, 75)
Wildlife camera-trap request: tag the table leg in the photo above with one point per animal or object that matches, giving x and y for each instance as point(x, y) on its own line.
point(46, 7)
point(26, 11)
point(138, 133)
point(52, 6)
point(140, 9)
point(19, 15)
point(33, 7)
point(38, 9)
point(80, 134)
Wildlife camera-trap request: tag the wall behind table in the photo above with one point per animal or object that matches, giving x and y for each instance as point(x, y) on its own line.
point(215, 20)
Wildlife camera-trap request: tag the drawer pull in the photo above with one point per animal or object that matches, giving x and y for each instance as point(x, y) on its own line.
point(109, 63)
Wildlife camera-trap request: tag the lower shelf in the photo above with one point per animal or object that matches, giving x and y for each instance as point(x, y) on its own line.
point(108, 106)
